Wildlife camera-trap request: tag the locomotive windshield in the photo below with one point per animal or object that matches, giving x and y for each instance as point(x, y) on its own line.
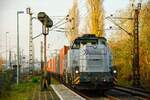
point(85, 39)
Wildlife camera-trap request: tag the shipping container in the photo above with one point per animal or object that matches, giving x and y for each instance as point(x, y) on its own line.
point(62, 54)
point(49, 66)
point(57, 64)
point(54, 64)
point(52, 69)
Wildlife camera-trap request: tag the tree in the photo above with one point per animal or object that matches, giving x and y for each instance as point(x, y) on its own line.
point(95, 20)
point(122, 46)
point(1, 62)
point(145, 43)
point(72, 25)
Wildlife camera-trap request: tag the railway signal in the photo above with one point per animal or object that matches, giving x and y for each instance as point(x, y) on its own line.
point(46, 24)
point(45, 20)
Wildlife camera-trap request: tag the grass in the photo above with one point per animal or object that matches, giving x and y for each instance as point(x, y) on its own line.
point(20, 92)
point(54, 81)
point(24, 90)
point(124, 83)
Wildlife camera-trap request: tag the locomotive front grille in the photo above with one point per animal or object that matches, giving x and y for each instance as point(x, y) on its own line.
point(95, 77)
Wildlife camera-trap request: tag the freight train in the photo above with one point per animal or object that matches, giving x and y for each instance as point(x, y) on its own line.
point(86, 64)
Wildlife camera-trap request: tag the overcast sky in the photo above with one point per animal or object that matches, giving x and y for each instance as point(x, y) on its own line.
point(9, 8)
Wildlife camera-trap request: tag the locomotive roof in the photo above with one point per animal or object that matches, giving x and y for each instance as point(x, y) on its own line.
point(87, 37)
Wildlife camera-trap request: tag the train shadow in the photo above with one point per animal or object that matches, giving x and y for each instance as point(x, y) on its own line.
point(93, 93)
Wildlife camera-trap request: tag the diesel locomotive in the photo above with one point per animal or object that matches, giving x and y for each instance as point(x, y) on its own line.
point(86, 64)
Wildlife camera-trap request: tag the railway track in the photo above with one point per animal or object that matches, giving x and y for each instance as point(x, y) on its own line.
point(134, 91)
point(117, 93)
point(78, 92)
point(92, 95)
point(44, 95)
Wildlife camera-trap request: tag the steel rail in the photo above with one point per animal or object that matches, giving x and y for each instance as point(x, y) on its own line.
point(134, 91)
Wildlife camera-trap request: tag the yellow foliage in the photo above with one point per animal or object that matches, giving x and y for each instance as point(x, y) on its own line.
point(95, 18)
point(72, 25)
point(145, 43)
point(1, 62)
point(122, 45)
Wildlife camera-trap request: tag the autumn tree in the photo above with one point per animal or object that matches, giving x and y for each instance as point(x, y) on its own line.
point(95, 20)
point(122, 46)
point(73, 22)
point(1, 62)
point(145, 43)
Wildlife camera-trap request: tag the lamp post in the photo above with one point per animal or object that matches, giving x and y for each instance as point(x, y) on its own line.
point(6, 47)
point(18, 12)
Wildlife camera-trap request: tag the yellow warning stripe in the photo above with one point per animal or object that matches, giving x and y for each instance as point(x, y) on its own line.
point(77, 80)
point(115, 81)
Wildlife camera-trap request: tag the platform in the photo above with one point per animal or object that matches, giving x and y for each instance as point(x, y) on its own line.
point(65, 93)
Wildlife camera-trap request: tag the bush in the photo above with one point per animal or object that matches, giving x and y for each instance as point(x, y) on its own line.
point(35, 79)
point(5, 83)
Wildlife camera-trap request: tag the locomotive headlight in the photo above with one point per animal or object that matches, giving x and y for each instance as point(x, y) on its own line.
point(77, 71)
point(104, 80)
point(114, 71)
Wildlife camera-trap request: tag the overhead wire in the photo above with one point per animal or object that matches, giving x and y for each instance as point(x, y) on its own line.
point(124, 20)
point(57, 25)
point(118, 26)
point(53, 27)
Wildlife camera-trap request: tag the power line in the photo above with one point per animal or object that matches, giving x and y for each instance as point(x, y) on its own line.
point(54, 26)
point(109, 18)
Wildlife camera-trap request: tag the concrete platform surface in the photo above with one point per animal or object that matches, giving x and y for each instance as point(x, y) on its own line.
point(65, 93)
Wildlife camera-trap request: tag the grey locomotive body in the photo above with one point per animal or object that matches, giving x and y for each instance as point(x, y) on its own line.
point(88, 64)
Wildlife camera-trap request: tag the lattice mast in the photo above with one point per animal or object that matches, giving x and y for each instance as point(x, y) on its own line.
point(136, 67)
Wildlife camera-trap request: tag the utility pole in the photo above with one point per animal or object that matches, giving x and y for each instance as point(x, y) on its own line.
point(30, 42)
point(6, 49)
point(22, 61)
point(33, 56)
point(45, 58)
point(10, 64)
point(15, 59)
point(46, 24)
point(45, 33)
point(0, 45)
point(136, 67)
point(42, 56)
point(10, 56)
point(18, 64)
